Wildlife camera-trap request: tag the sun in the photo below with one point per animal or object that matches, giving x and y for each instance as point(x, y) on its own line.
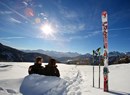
point(47, 29)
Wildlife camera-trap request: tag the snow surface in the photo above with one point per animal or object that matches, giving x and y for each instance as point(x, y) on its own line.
point(40, 84)
point(75, 80)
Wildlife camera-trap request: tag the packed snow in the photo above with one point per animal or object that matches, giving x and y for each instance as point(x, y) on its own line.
point(39, 85)
point(74, 80)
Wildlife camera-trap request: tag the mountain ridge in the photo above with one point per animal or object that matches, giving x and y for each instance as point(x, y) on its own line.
point(55, 54)
point(9, 54)
point(14, 55)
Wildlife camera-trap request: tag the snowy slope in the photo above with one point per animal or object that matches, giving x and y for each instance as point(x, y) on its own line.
point(75, 80)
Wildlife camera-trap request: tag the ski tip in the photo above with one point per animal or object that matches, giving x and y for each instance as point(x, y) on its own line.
point(104, 13)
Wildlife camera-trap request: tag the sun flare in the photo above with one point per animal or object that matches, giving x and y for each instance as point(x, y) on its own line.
point(47, 29)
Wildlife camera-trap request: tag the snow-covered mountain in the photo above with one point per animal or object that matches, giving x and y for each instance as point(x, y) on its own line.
point(128, 53)
point(116, 53)
point(55, 54)
point(115, 57)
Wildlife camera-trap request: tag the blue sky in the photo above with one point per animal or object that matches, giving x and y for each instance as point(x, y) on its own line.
point(74, 25)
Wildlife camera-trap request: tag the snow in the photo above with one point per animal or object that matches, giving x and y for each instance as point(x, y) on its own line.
point(74, 80)
point(39, 84)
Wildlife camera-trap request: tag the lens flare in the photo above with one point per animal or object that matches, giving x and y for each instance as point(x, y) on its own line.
point(29, 12)
point(37, 20)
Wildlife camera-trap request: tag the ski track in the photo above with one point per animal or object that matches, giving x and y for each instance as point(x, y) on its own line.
point(72, 85)
point(4, 91)
point(74, 82)
point(5, 67)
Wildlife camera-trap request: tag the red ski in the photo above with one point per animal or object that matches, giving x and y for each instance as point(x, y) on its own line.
point(105, 40)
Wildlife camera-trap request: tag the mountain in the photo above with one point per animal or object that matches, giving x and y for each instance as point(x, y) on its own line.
point(54, 54)
point(116, 53)
point(13, 55)
point(128, 53)
point(64, 59)
point(86, 58)
point(115, 57)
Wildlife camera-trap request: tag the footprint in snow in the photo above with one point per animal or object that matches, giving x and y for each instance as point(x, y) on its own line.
point(11, 91)
point(8, 90)
point(4, 66)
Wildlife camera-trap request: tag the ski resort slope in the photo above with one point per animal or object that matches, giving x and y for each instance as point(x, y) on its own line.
point(75, 80)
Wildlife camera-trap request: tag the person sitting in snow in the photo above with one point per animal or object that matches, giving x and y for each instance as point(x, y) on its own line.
point(37, 68)
point(51, 69)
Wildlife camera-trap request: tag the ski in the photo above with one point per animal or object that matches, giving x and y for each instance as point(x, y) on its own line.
point(105, 54)
point(93, 66)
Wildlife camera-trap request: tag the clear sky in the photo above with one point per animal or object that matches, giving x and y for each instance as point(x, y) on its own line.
point(64, 25)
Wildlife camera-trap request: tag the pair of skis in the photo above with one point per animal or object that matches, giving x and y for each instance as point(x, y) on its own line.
point(105, 54)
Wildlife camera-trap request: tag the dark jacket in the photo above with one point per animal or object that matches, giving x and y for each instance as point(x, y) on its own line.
point(51, 71)
point(36, 69)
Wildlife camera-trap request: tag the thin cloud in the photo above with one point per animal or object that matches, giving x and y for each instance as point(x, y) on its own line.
point(75, 37)
point(15, 11)
point(69, 22)
point(4, 41)
point(25, 3)
point(15, 20)
point(66, 12)
point(67, 27)
point(10, 38)
point(115, 29)
point(90, 34)
point(5, 12)
point(72, 28)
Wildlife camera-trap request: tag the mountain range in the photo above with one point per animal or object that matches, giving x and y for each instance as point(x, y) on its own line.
point(54, 54)
point(14, 55)
point(65, 56)
point(9, 54)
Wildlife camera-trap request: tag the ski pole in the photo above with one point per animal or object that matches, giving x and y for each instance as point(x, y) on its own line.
point(93, 68)
point(99, 69)
point(98, 52)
